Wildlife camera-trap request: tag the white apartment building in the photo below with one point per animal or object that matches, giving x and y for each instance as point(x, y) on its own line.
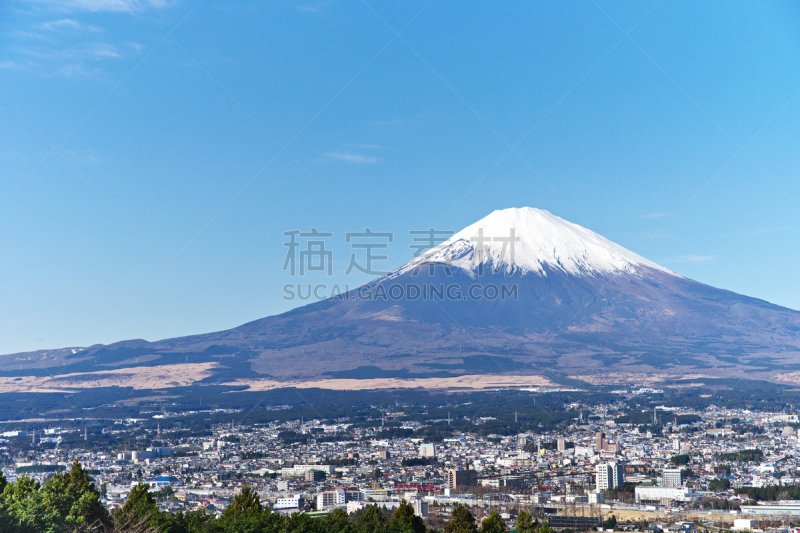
point(609, 475)
point(338, 497)
point(300, 470)
point(293, 502)
point(672, 477)
point(658, 494)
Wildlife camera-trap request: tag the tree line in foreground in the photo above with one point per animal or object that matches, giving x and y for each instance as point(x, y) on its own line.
point(69, 502)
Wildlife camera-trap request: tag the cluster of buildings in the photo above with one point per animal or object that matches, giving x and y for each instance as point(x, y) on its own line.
point(598, 464)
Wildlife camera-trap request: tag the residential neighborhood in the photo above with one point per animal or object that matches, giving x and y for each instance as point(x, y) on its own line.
point(733, 468)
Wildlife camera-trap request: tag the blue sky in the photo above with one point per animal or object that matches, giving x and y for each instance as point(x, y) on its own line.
point(152, 153)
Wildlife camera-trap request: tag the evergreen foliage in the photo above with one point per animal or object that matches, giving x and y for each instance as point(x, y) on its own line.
point(70, 503)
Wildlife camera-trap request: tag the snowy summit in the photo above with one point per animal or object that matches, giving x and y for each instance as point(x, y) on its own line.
point(541, 241)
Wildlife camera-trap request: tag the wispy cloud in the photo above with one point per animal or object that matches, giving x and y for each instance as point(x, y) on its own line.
point(60, 40)
point(76, 69)
point(105, 52)
point(85, 60)
point(36, 35)
point(94, 51)
point(66, 23)
point(119, 6)
point(136, 46)
point(350, 157)
point(656, 215)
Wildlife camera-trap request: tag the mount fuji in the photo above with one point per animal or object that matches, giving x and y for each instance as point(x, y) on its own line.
point(542, 242)
point(521, 291)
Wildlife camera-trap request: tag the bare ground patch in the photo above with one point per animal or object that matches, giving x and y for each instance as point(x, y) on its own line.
point(480, 382)
point(140, 378)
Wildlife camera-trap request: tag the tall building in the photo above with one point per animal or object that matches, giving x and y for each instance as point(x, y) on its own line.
point(461, 478)
point(609, 475)
point(604, 478)
point(427, 450)
point(420, 506)
point(671, 477)
point(602, 444)
point(315, 476)
point(561, 445)
point(619, 473)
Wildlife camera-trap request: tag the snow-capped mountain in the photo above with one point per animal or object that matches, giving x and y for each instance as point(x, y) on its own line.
point(575, 304)
point(528, 240)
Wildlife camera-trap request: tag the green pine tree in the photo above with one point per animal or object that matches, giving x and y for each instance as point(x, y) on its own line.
point(337, 522)
point(246, 503)
point(494, 523)
point(371, 521)
point(462, 522)
point(139, 510)
point(405, 518)
point(525, 523)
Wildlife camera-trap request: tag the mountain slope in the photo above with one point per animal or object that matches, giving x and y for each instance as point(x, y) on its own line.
point(567, 301)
